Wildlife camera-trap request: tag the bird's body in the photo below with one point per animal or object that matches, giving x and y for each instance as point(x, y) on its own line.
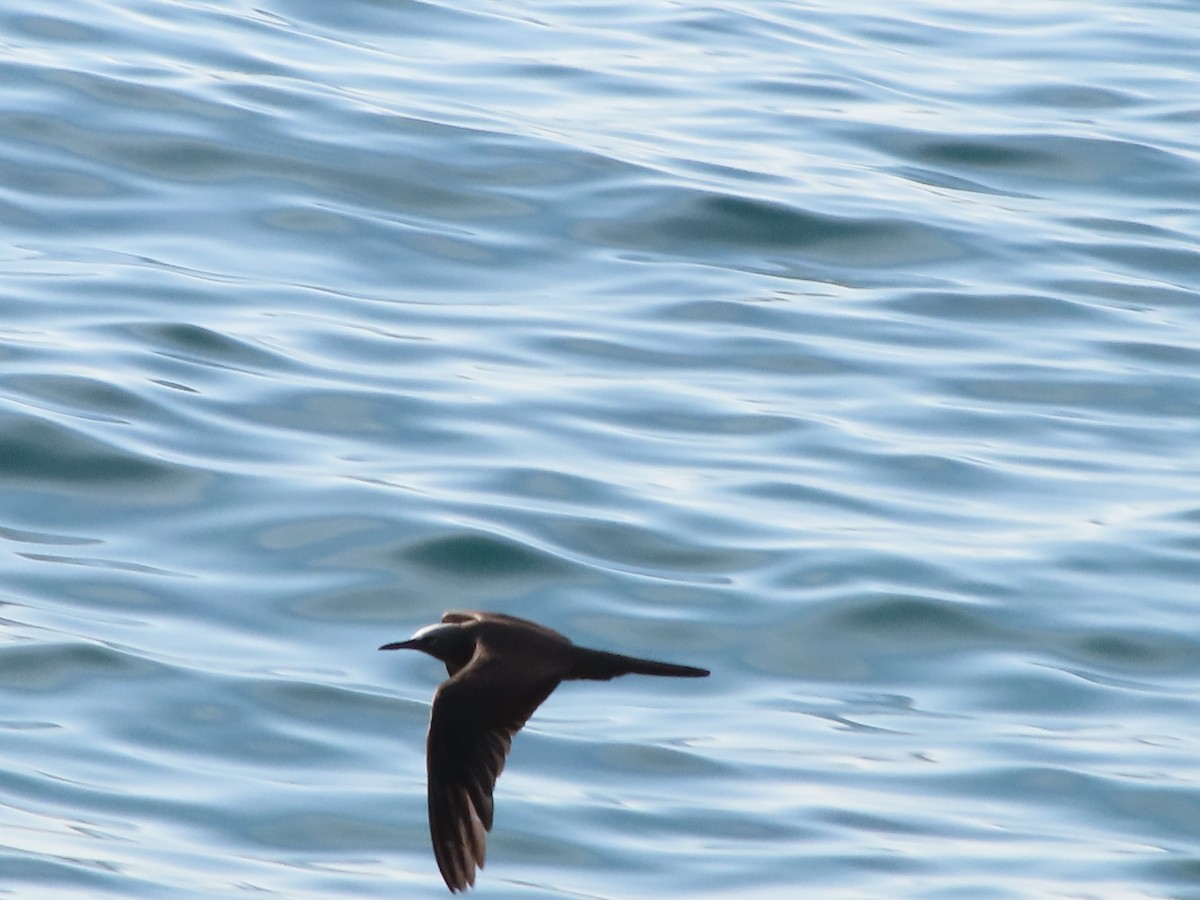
point(501, 669)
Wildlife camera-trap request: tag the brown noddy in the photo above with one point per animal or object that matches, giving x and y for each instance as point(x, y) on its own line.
point(501, 669)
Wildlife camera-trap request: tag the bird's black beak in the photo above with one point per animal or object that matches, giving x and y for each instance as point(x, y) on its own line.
point(401, 645)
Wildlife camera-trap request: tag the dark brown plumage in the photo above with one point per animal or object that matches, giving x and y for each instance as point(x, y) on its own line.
point(501, 669)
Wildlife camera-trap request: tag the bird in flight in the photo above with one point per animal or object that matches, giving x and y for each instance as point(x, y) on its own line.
point(501, 669)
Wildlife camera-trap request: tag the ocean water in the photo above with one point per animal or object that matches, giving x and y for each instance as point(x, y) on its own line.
point(849, 350)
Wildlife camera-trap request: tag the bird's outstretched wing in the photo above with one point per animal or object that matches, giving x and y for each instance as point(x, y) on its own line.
point(475, 715)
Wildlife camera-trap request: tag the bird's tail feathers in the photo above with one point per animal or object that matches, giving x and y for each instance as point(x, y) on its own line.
point(599, 665)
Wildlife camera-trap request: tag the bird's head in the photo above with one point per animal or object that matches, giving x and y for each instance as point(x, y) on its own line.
point(451, 643)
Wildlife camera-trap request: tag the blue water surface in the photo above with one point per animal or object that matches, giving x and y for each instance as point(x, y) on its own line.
point(849, 350)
